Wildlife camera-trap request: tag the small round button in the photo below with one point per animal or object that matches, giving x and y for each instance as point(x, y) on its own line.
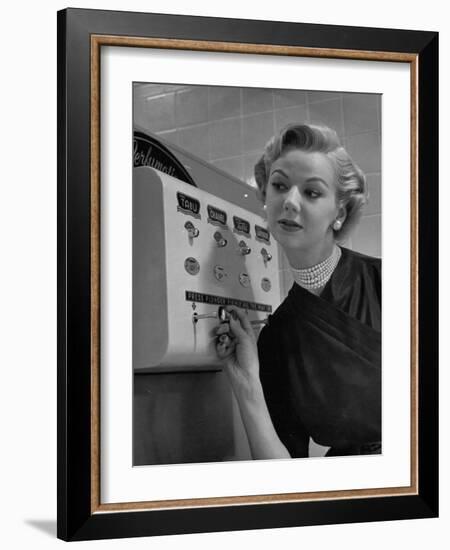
point(219, 272)
point(266, 285)
point(192, 266)
point(244, 279)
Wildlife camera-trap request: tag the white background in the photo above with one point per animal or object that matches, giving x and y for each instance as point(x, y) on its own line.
point(28, 274)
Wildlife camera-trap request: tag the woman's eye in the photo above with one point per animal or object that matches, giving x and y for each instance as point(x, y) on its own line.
point(279, 185)
point(313, 194)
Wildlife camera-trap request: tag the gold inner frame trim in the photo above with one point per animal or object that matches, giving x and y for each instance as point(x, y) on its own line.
point(97, 41)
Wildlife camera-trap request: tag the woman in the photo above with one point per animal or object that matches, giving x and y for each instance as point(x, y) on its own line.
point(316, 368)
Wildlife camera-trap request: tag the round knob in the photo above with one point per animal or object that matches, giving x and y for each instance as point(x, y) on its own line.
point(266, 255)
point(244, 249)
point(221, 242)
point(191, 229)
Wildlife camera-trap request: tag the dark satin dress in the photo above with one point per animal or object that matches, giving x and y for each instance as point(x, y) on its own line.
point(320, 362)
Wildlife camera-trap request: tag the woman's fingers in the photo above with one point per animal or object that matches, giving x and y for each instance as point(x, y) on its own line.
point(221, 329)
point(223, 339)
point(244, 322)
point(229, 333)
point(225, 346)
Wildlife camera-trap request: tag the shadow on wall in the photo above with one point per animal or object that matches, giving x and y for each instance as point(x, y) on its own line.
point(185, 418)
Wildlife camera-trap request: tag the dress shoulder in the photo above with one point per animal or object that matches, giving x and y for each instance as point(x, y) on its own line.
point(360, 259)
point(356, 264)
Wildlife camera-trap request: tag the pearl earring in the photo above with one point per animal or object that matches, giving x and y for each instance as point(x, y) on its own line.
point(337, 225)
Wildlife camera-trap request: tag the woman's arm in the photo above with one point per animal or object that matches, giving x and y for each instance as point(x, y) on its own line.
point(236, 346)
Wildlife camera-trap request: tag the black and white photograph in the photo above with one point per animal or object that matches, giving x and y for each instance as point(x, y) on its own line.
point(247, 273)
point(257, 269)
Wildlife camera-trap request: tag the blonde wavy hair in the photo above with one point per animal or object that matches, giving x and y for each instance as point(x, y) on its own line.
point(352, 191)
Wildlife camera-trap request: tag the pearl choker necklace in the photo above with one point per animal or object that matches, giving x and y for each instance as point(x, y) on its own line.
point(318, 275)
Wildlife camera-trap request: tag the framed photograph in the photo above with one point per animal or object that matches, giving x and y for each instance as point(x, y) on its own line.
point(236, 200)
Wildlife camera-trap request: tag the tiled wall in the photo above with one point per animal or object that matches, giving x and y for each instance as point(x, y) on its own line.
point(229, 127)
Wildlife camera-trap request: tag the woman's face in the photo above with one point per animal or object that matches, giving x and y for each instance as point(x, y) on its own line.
point(301, 205)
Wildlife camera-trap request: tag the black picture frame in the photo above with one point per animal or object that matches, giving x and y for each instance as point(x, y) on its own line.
point(79, 515)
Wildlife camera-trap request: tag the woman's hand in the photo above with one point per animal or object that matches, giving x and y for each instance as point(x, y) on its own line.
point(236, 347)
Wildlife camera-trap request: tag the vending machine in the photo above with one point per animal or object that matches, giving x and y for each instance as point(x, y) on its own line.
point(193, 254)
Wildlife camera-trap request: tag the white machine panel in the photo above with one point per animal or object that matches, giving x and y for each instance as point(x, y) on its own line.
point(193, 253)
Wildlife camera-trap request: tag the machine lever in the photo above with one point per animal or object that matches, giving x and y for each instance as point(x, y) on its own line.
point(192, 230)
point(244, 249)
point(223, 315)
point(196, 316)
point(266, 255)
point(221, 242)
